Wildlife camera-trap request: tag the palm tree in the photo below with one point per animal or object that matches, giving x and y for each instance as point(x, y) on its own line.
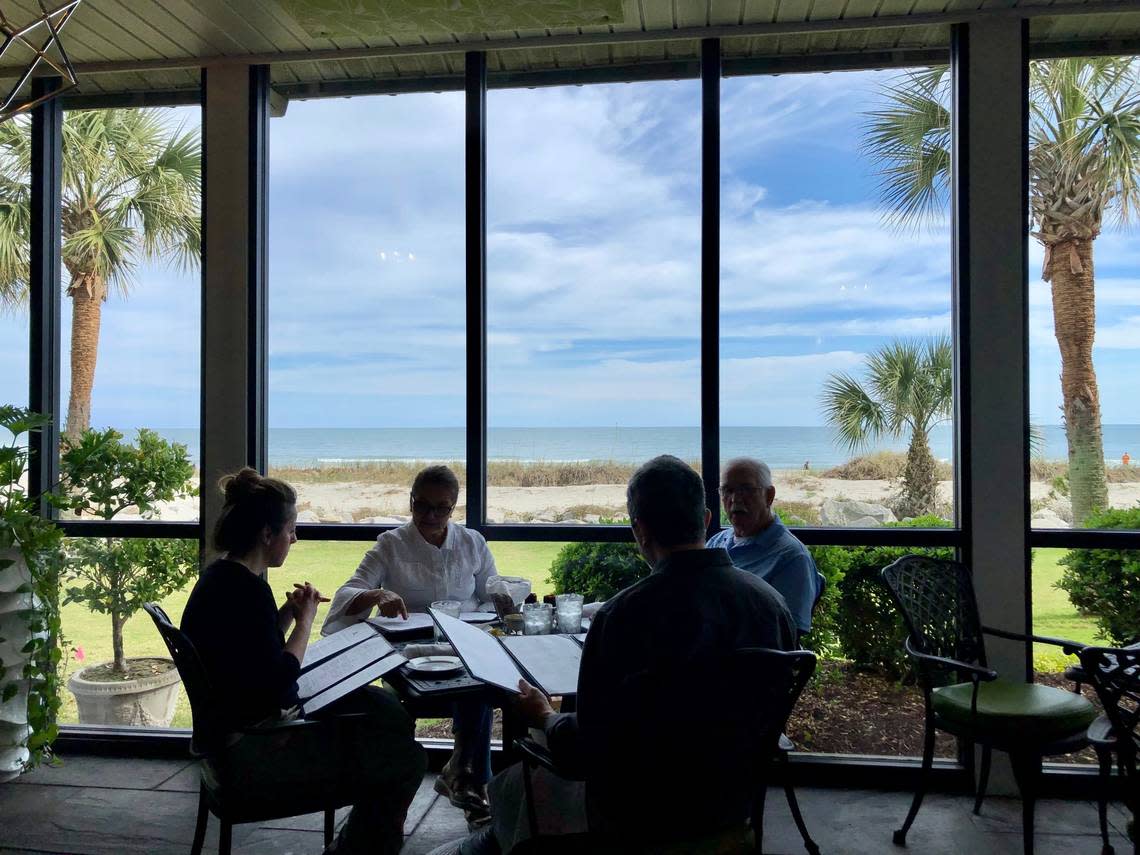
point(909, 387)
point(131, 191)
point(1084, 140)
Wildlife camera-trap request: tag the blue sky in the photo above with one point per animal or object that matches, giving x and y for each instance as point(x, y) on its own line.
point(593, 266)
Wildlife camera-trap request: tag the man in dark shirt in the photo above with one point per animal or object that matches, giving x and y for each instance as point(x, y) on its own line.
point(694, 608)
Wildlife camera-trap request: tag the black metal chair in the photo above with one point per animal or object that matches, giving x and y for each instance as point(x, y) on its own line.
point(1114, 672)
point(965, 697)
point(220, 791)
point(728, 745)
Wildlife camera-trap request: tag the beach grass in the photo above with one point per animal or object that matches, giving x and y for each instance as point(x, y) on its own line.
point(326, 564)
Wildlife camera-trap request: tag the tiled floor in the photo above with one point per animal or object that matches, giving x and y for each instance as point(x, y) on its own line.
point(101, 805)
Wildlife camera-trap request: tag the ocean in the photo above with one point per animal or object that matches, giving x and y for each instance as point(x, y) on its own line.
point(780, 447)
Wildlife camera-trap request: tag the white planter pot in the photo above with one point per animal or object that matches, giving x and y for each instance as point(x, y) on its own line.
point(14, 606)
point(145, 702)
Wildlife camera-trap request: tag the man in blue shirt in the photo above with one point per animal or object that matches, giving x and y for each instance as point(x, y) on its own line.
point(758, 543)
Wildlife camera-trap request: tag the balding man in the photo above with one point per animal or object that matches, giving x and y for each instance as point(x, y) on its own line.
point(760, 544)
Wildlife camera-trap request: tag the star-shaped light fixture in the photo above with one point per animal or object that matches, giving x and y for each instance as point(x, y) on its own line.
point(40, 38)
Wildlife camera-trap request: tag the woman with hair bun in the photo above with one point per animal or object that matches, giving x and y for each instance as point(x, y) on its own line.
point(251, 650)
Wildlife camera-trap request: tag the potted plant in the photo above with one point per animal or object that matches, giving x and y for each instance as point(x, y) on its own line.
point(30, 638)
point(105, 476)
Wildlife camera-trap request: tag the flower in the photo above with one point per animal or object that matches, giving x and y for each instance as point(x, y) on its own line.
point(79, 654)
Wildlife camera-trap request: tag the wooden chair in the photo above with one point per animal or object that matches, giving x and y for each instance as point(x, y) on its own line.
point(1114, 672)
point(965, 697)
point(220, 791)
point(728, 744)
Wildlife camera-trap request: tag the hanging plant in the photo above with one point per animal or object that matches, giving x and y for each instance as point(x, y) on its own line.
point(31, 638)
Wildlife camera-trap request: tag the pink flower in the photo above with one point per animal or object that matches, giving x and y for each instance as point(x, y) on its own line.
point(79, 654)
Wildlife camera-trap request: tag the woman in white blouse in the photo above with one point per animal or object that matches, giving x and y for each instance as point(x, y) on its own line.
point(408, 568)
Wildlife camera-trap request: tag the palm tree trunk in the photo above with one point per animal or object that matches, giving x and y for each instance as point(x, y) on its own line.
point(1070, 270)
point(919, 492)
point(87, 291)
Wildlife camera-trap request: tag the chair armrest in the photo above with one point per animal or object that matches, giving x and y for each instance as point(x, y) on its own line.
point(1070, 647)
point(945, 664)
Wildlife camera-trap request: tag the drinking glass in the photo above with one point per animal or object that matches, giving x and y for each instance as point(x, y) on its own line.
point(448, 607)
point(568, 608)
point(537, 618)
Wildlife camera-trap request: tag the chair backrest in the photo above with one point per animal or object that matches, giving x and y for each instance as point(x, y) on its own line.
point(207, 734)
point(936, 599)
point(1115, 674)
point(701, 737)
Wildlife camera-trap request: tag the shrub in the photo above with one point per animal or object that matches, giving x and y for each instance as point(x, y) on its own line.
point(869, 629)
point(596, 570)
point(824, 638)
point(1105, 583)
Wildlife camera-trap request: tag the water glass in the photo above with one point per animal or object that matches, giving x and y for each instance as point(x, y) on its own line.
point(568, 608)
point(450, 608)
point(538, 618)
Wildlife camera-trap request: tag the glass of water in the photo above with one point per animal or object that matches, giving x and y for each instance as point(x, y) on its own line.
point(450, 608)
point(568, 608)
point(538, 618)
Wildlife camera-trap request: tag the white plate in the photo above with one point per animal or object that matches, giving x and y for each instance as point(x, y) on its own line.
point(435, 666)
point(477, 617)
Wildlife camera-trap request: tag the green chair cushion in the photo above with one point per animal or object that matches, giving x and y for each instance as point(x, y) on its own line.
point(1022, 712)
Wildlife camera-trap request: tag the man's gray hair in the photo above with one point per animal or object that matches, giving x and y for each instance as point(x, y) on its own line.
point(758, 467)
point(667, 497)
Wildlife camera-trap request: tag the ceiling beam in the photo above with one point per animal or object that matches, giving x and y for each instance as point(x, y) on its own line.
point(1106, 7)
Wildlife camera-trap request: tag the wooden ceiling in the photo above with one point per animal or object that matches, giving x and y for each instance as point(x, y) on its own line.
point(146, 51)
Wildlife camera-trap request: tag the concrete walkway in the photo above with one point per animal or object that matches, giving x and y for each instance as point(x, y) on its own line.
point(112, 805)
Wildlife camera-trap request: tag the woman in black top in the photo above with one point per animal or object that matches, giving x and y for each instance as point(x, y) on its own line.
point(240, 635)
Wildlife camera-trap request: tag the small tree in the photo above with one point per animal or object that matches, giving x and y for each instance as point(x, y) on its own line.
point(1105, 583)
point(909, 388)
point(105, 476)
point(597, 570)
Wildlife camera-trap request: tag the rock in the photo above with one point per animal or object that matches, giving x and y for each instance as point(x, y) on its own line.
point(850, 513)
point(380, 521)
point(1047, 518)
point(307, 517)
point(1063, 508)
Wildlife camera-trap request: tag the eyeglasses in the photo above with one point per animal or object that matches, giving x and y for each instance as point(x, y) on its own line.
point(742, 491)
point(423, 508)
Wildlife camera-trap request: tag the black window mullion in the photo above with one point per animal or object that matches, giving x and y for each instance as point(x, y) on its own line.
point(45, 272)
point(258, 344)
point(710, 276)
point(476, 250)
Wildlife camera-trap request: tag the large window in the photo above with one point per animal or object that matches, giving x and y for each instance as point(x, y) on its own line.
point(129, 355)
point(366, 302)
point(832, 292)
point(593, 294)
point(131, 306)
point(1084, 303)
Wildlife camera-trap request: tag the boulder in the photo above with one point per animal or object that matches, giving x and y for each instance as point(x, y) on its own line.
point(852, 514)
point(307, 517)
point(1048, 518)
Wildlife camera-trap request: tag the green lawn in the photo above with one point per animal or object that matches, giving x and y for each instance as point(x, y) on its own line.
point(328, 564)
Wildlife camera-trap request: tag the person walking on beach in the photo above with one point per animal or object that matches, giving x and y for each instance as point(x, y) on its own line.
point(430, 558)
point(760, 544)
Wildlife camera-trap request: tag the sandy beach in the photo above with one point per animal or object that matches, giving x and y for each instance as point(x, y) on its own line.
point(800, 493)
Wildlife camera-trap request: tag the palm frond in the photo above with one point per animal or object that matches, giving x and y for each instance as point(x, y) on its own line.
point(856, 416)
point(909, 141)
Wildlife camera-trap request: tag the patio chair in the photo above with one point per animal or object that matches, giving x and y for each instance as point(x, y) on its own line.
point(965, 697)
point(730, 740)
point(220, 791)
point(1114, 672)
